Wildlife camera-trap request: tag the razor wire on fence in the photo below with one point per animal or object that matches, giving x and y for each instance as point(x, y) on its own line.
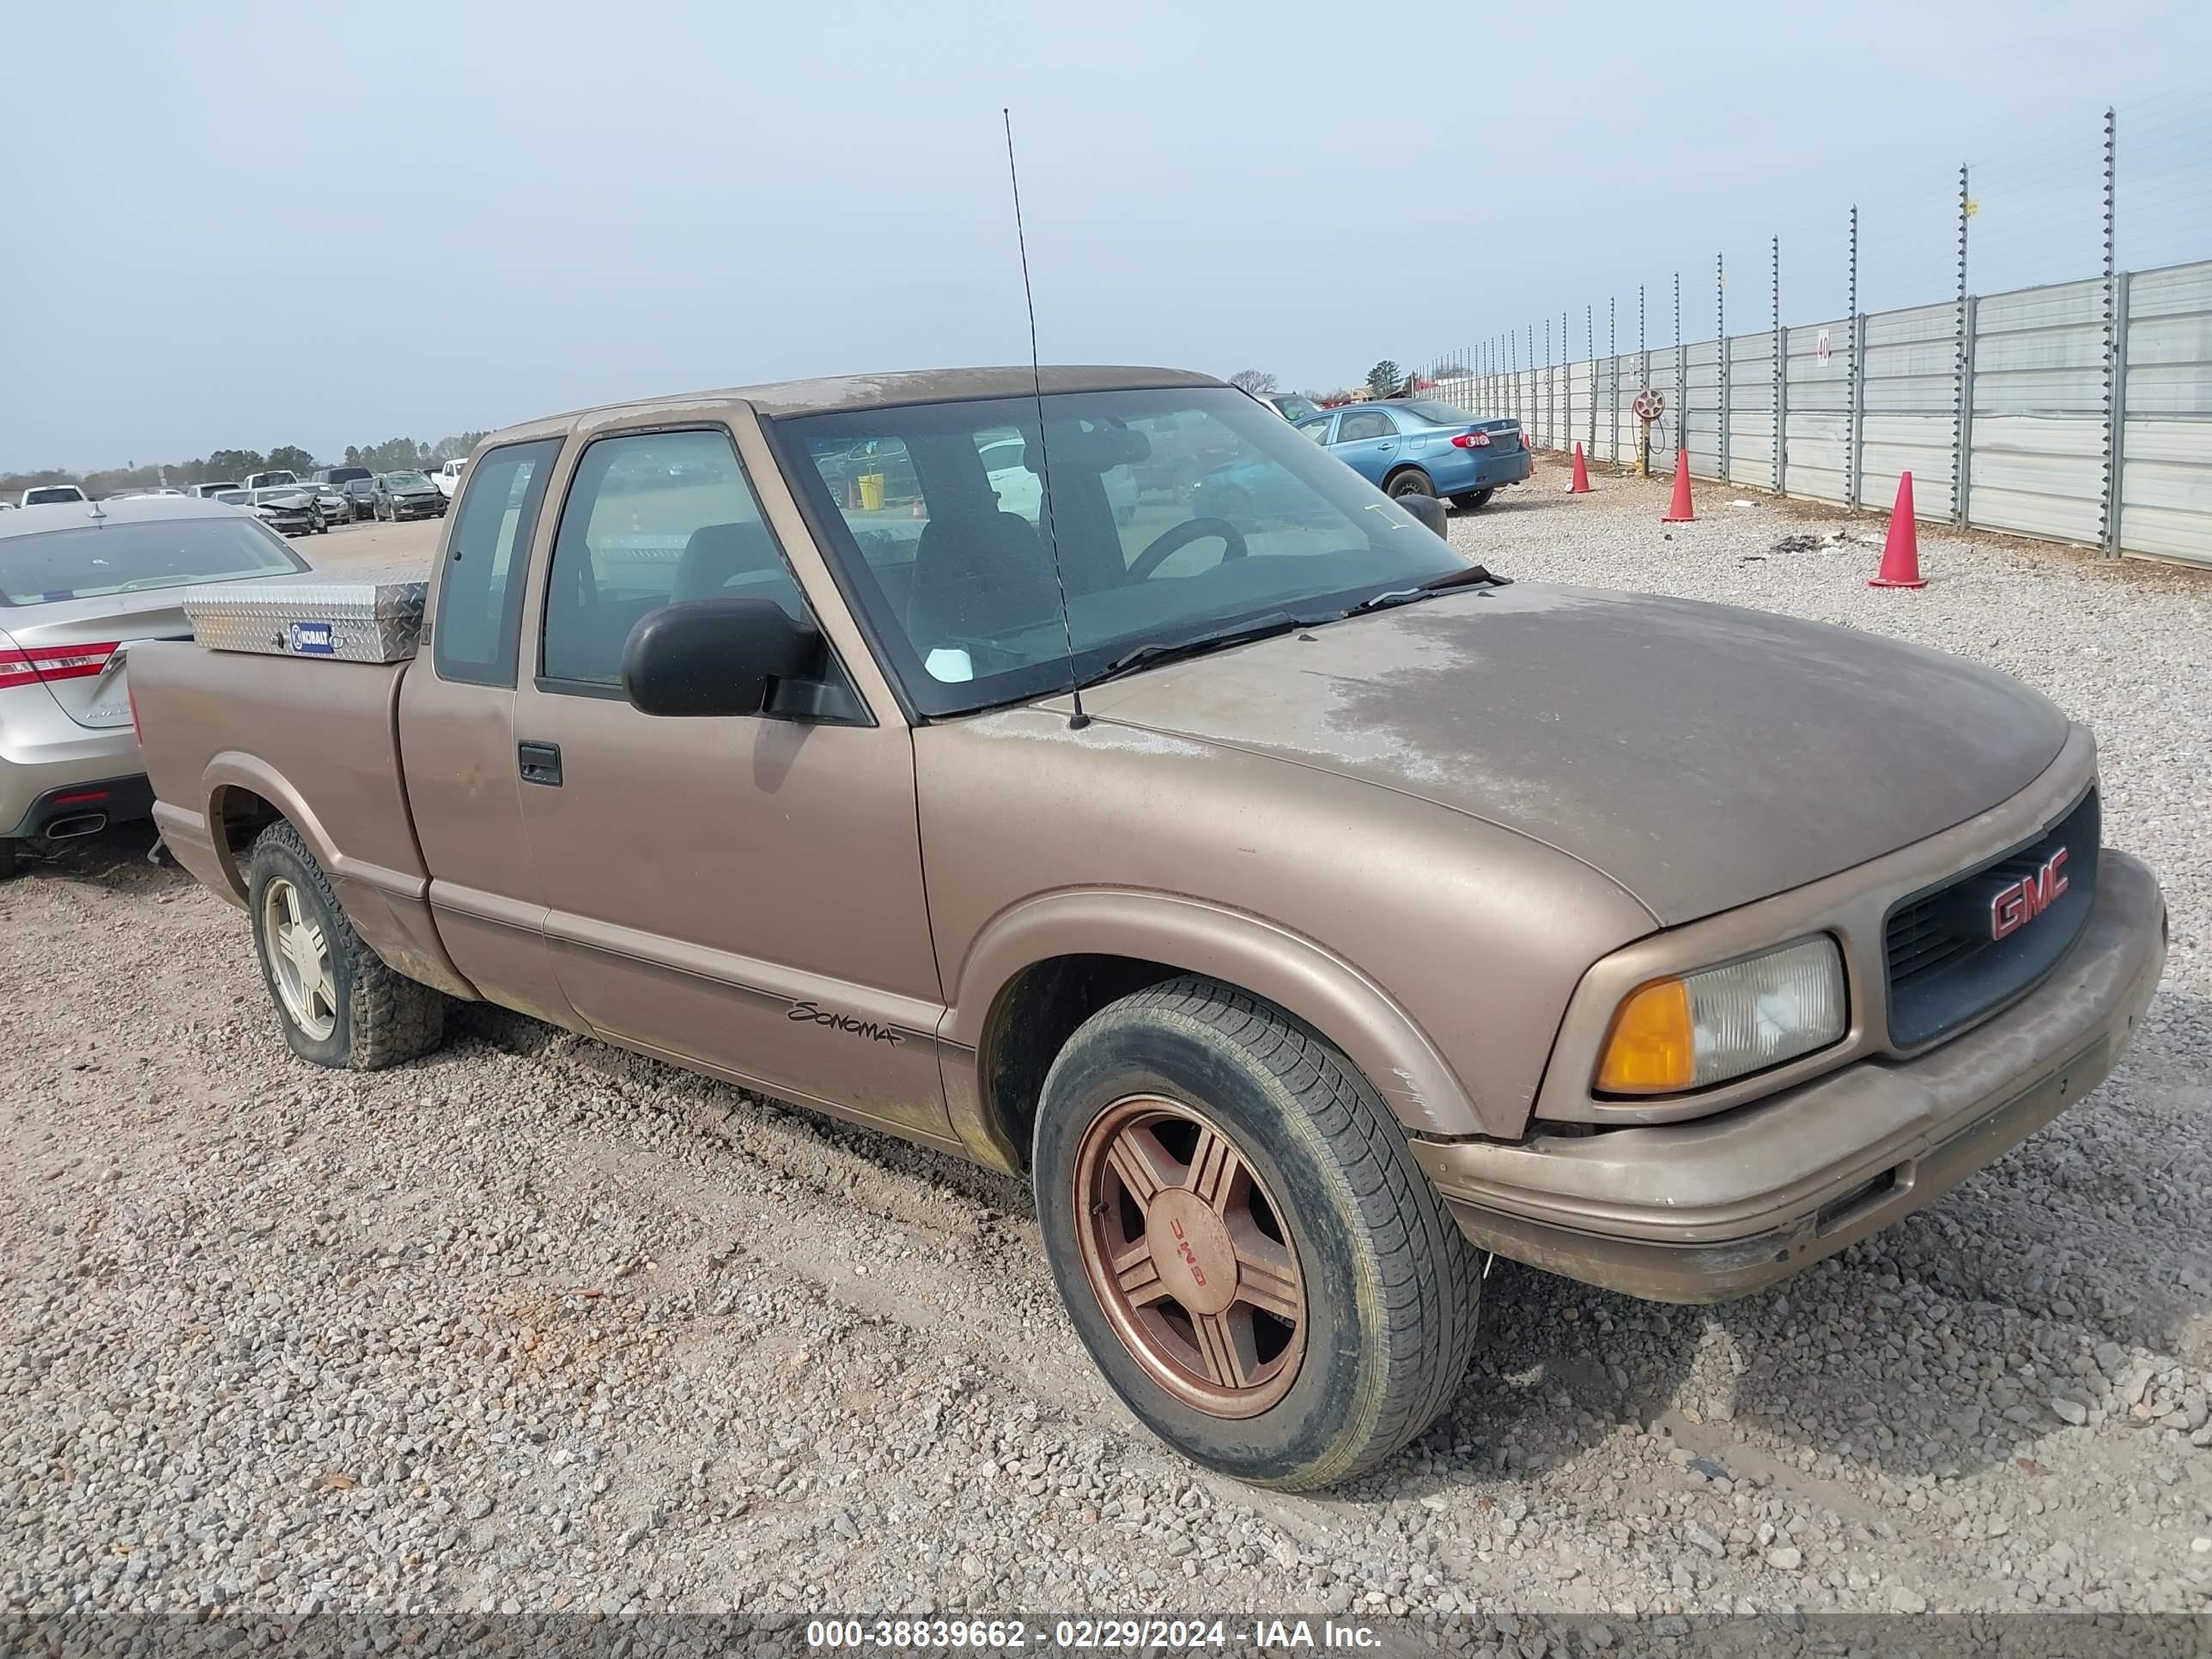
point(2052, 376)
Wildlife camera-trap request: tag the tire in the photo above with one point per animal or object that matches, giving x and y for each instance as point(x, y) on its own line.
point(365, 1016)
point(1409, 481)
point(1383, 1285)
point(1473, 500)
point(6, 857)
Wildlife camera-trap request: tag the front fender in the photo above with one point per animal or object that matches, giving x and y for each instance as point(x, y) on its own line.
point(1269, 961)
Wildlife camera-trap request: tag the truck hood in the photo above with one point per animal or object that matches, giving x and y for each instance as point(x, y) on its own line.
point(1701, 756)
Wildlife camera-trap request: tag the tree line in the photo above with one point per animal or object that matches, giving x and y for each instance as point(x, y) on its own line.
point(1385, 379)
point(392, 455)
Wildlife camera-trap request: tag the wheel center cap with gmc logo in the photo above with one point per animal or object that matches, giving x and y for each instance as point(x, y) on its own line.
point(1192, 1250)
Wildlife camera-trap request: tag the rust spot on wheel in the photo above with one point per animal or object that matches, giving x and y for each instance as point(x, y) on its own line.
point(1189, 1256)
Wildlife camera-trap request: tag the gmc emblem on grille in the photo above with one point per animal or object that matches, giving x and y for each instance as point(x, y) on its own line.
point(2024, 901)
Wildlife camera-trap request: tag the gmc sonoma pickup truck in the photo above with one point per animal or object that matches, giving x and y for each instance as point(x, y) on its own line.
point(1306, 910)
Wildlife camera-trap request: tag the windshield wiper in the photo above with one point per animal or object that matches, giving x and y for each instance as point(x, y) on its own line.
point(1153, 652)
point(1472, 575)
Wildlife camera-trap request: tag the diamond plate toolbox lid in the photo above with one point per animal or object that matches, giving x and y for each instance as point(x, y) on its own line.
point(373, 616)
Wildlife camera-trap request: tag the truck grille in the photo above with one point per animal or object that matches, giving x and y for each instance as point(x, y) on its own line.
point(1946, 963)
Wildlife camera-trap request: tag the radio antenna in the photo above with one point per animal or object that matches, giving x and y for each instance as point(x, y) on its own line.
point(1078, 720)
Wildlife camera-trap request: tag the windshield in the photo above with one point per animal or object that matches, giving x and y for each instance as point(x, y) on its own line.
point(405, 481)
point(1294, 407)
point(1176, 511)
point(83, 562)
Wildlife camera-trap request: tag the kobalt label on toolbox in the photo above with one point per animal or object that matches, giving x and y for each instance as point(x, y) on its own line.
point(311, 639)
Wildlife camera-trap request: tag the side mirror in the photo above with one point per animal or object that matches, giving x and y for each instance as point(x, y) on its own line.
point(1429, 510)
point(715, 657)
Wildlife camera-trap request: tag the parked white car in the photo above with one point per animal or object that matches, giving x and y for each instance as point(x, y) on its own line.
point(1019, 490)
point(448, 477)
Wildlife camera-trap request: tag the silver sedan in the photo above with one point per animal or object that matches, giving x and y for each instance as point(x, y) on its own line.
point(79, 584)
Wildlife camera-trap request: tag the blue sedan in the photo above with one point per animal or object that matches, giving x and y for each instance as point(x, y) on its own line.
point(1415, 447)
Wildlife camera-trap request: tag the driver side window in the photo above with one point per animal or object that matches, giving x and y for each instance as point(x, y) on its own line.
point(1365, 423)
point(653, 519)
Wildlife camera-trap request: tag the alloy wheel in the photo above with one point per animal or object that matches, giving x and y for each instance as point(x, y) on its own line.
point(1189, 1256)
point(299, 960)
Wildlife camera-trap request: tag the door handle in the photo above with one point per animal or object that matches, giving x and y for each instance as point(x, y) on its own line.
point(540, 762)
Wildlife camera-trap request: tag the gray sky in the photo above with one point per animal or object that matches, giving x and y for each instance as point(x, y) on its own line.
point(248, 225)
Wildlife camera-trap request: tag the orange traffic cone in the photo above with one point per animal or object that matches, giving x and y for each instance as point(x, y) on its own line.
point(1680, 512)
point(1900, 554)
point(1581, 485)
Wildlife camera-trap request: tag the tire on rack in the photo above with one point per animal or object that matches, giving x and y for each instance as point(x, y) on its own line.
point(1473, 500)
point(1244, 1241)
point(338, 1003)
point(1409, 481)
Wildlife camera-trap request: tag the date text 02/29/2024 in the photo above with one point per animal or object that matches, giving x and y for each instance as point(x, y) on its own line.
point(1010, 1635)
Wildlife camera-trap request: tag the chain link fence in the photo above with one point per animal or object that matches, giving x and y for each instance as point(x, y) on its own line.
point(2076, 406)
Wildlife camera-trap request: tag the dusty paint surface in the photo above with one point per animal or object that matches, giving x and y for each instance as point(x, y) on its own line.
point(1700, 754)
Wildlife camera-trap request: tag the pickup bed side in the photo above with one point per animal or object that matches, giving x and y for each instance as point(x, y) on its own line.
point(330, 763)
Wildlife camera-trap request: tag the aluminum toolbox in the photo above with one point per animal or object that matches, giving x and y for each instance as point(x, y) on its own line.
point(375, 617)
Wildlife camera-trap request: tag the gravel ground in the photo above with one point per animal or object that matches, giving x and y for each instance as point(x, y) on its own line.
point(533, 1324)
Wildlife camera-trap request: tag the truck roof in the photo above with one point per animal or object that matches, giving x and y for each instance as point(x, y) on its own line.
point(915, 385)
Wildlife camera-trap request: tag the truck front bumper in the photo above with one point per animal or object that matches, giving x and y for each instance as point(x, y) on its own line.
point(1720, 1207)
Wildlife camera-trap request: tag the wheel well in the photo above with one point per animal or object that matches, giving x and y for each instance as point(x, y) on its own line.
point(1402, 468)
point(237, 815)
point(1034, 1015)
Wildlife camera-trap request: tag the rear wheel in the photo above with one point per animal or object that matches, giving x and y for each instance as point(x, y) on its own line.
point(1473, 500)
point(1411, 482)
point(338, 1003)
point(6, 857)
point(1244, 1241)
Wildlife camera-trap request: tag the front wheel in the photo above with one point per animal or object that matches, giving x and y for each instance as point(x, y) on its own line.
point(1473, 500)
point(1411, 482)
point(1244, 1242)
point(338, 1003)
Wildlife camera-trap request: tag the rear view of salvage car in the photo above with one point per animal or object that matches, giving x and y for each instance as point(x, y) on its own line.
point(1304, 908)
point(79, 587)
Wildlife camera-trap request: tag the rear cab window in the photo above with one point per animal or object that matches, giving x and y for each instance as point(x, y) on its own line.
point(475, 630)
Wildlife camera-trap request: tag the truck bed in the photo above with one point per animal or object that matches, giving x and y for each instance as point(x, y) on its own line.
point(234, 739)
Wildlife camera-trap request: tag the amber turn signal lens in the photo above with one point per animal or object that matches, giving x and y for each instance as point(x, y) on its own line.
point(1652, 1047)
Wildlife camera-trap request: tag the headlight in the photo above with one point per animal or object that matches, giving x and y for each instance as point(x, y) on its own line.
point(1707, 1027)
